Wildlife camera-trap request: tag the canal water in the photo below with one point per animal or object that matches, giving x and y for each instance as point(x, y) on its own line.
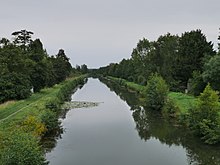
point(121, 132)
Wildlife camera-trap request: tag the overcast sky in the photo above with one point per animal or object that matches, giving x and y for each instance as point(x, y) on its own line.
point(98, 32)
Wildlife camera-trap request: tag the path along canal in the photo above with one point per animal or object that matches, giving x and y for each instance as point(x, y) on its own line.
point(120, 132)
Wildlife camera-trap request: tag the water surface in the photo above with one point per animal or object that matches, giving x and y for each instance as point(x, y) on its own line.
point(119, 132)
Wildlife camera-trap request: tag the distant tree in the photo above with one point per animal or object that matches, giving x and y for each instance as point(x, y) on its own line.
point(36, 51)
point(61, 55)
point(143, 59)
point(193, 48)
point(61, 66)
point(4, 42)
point(219, 43)
point(22, 37)
point(84, 68)
point(78, 68)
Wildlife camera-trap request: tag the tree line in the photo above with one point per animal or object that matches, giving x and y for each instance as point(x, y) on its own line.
point(25, 65)
point(188, 62)
point(177, 63)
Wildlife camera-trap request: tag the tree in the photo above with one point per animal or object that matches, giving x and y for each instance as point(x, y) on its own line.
point(219, 43)
point(40, 75)
point(84, 68)
point(197, 84)
point(36, 51)
point(143, 59)
point(156, 92)
point(4, 42)
point(61, 66)
point(211, 72)
point(22, 37)
point(14, 86)
point(204, 118)
point(166, 49)
point(193, 48)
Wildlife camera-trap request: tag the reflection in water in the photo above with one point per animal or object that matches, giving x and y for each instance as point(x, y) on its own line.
point(49, 141)
point(152, 125)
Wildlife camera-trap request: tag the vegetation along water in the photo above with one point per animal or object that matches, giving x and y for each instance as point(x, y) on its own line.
point(160, 106)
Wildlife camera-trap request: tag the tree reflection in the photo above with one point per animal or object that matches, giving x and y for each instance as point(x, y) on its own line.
point(150, 124)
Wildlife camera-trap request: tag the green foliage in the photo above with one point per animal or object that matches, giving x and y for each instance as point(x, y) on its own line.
point(21, 148)
point(211, 72)
point(50, 120)
point(22, 37)
point(204, 118)
point(156, 92)
point(171, 108)
point(25, 64)
point(14, 86)
point(174, 57)
point(197, 85)
point(19, 134)
point(193, 48)
point(32, 125)
point(84, 69)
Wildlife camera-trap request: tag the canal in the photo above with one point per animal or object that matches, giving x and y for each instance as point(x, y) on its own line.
point(119, 131)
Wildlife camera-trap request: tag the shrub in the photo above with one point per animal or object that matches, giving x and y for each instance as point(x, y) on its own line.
point(34, 126)
point(170, 108)
point(204, 118)
point(156, 92)
point(197, 84)
point(50, 120)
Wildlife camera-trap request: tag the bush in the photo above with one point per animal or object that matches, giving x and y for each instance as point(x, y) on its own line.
point(32, 125)
point(156, 92)
point(53, 104)
point(170, 108)
point(50, 120)
point(204, 118)
point(197, 84)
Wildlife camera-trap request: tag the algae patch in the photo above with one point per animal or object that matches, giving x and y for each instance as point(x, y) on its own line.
point(79, 104)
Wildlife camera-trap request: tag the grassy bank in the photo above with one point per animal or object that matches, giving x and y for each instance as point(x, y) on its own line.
point(31, 119)
point(13, 112)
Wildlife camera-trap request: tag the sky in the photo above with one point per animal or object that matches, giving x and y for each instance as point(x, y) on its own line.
point(99, 32)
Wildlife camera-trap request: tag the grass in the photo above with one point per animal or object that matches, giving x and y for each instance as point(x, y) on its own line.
point(17, 111)
point(183, 101)
point(14, 112)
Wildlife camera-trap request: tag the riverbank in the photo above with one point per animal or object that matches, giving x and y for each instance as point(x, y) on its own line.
point(183, 101)
point(32, 118)
point(182, 108)
point(121, 131)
